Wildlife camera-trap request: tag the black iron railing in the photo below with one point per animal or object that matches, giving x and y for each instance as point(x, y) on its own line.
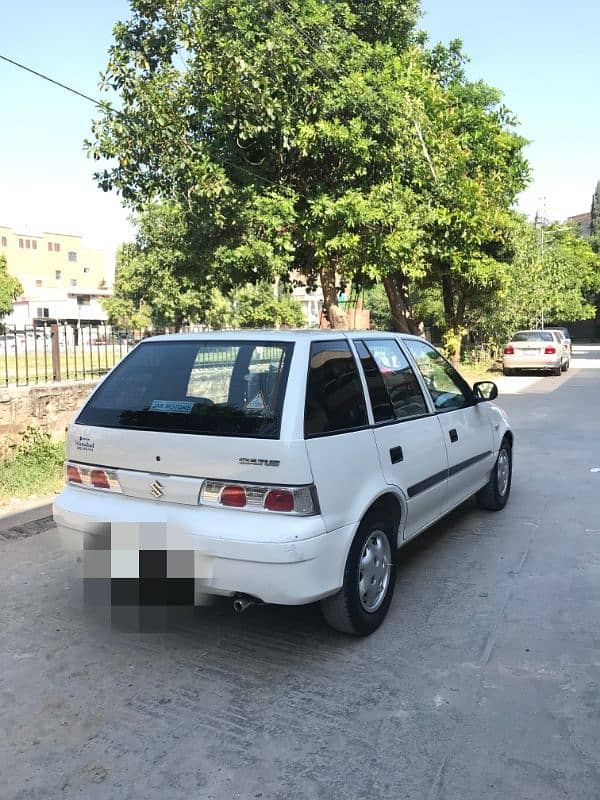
point(45, 353)
point(58, 352)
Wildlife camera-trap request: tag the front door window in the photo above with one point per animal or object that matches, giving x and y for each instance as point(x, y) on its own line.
point(448, 390)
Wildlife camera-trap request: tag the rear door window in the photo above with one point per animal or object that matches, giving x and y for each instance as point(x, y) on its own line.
point(233, 388)
point(335, 400)
point(404, 394)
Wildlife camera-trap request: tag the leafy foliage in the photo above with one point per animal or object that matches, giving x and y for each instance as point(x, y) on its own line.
point(562, 283)
point(10, 288)
point(595, 220)
point(261, 306)
point(33, 466)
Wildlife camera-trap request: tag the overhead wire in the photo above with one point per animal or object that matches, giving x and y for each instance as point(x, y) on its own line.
point(103, 107)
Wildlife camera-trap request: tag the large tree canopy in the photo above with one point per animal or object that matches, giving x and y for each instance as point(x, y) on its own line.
point(320, 137)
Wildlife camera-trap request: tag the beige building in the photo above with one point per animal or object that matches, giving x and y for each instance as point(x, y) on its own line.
point(62, 279)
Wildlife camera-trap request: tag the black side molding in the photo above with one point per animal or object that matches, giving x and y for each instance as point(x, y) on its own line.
point(422, 486)
point(468, 463)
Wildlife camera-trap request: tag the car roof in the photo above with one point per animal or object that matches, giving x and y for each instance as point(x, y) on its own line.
point(535, 330)
point(286, 335)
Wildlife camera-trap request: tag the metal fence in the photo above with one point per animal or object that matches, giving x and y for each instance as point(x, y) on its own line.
point(62, 352)
point(55, 352)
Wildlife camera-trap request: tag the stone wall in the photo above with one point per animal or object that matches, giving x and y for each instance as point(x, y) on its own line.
point(48, 406)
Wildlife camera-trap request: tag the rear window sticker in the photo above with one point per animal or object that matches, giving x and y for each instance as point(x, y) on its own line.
point(257, 403)
point(172, 406)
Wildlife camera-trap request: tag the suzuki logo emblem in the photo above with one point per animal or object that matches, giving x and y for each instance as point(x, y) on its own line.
point(157, 489)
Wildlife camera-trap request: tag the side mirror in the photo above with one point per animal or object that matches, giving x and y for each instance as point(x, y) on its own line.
point(485, 390)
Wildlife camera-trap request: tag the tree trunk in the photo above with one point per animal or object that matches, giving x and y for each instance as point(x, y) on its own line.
point(396, 288)
point(335, 315)
point(454, 312)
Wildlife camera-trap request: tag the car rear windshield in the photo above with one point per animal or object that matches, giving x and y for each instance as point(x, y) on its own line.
point(227, 388)
point(533, 336)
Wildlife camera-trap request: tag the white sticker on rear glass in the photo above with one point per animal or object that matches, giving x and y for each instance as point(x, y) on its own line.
point(257, 403)
point(172, 406)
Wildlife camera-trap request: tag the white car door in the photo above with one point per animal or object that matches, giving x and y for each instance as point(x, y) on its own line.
point(408, 436)
point(465, 424)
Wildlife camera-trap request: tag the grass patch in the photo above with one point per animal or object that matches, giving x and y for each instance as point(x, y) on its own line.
point(487, 371)
point(32, 467)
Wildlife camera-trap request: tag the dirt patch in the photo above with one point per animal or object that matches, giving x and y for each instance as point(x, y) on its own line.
point(27, 529)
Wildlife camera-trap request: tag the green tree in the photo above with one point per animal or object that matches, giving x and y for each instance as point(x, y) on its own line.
point(480, 169)
point(560, 282)
point(320, 137)
point(278, 156)
point(595, 220)
point(262, 306)
point(10, 288)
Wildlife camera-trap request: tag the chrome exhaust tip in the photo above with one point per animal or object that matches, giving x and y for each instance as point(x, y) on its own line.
point(242, 603)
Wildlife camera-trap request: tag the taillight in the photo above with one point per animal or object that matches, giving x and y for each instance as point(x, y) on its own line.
point(509, 351)
point(73, 474)
point(298, 500)
point(279, 500)
point(549, 351)
point(99, 479)
point(234, 496)
point(92, 477)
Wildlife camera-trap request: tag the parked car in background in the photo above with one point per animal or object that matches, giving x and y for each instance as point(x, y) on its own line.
point(567, 337)
point(278, 466)
point(535, 349)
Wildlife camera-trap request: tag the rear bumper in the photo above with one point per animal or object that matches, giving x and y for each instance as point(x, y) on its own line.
point(278, 559)
point(535, 362)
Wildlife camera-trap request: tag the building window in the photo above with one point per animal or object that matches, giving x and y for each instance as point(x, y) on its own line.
point(50, 246)
point(58, 274)
point(20, 242)
point(34, 244)
point(72, 256)
point(4, 242)
point(56, 247)
point(27, 244)
point(43, 312)
point(86, 270)
point(38, 284)
point(73, 282)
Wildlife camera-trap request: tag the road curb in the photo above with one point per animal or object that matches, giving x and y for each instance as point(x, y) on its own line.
point(28, 512)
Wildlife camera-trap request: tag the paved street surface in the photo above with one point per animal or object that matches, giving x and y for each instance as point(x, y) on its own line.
point(483, 683)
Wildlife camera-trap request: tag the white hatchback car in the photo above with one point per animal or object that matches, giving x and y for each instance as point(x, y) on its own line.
point(278, 466)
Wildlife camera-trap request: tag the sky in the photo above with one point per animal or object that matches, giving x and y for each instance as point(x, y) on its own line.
point(544, 57)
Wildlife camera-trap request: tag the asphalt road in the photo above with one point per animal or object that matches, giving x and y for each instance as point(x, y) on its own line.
point(483, 683)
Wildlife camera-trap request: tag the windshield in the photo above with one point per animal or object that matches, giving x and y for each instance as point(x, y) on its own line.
point(202, 387)
point(533, 336)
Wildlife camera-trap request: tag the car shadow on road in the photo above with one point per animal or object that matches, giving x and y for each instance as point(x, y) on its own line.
point(299, 629)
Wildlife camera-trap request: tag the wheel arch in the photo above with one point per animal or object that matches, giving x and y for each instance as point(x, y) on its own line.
point(392, 505)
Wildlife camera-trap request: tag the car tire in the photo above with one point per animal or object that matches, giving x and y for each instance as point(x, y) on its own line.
point(556, 371)
point(506, 371)
point(357, 609)
point(494, 494)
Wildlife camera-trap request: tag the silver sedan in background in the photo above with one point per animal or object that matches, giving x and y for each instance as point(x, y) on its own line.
point(540, 349)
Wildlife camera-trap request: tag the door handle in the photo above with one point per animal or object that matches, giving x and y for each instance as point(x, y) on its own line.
point(453, 435)
point(396, 454)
